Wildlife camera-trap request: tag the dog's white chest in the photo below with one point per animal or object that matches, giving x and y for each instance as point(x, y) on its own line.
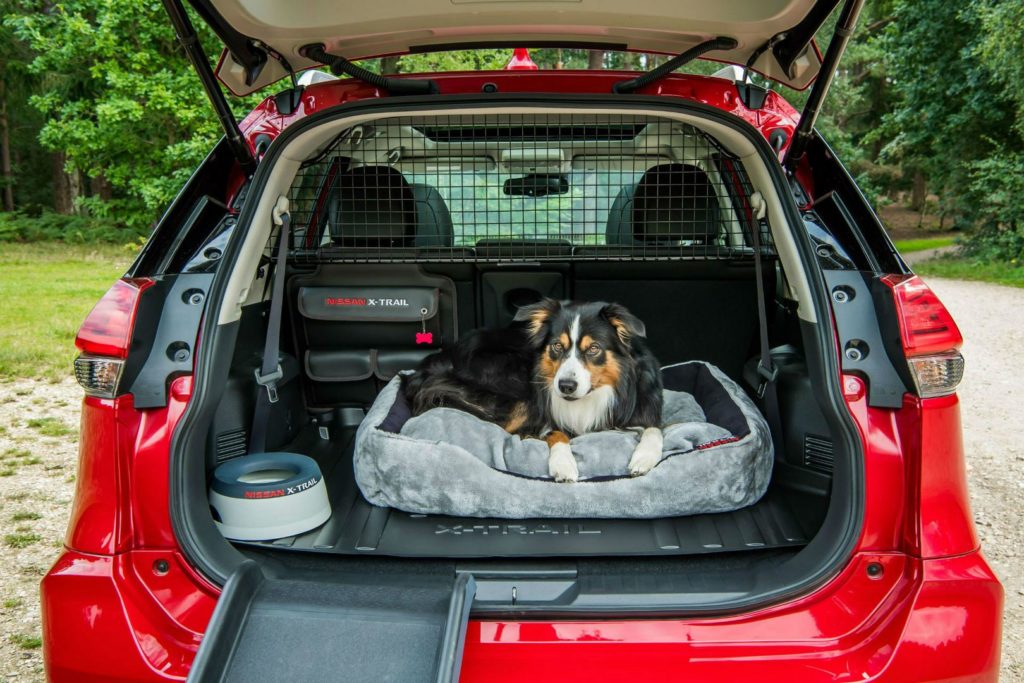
point(591, 413)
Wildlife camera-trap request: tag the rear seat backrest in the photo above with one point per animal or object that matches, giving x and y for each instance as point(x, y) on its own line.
point(671, 203)
point(372, 207)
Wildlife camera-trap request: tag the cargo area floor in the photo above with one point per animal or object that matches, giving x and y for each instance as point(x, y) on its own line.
point(783, 518)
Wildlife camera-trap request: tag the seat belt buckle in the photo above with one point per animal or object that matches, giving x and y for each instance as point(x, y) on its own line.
point(269, 381)
point(767, 375)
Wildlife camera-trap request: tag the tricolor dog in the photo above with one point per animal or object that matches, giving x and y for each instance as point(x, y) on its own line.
point(560, 370)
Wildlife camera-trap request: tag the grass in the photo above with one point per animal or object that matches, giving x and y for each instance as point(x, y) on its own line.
point(50, 426)
point(26, 642)
point(47, 289)
point(959, 268)
point(25, 516)
point(922, 243)
point(12, 603)
point(21, 539)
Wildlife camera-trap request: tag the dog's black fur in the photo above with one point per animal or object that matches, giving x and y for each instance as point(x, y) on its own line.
point(505, 375)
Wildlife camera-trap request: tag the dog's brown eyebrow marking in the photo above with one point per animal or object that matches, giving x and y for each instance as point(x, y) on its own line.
point(586, 342)
point(564, 339)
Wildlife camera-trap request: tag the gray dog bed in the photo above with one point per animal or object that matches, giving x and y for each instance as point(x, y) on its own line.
point(717, 457)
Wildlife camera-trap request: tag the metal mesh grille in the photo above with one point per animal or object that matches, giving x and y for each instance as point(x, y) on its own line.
point(521, 187)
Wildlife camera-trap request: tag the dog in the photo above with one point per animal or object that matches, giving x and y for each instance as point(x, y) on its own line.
point(561, 369)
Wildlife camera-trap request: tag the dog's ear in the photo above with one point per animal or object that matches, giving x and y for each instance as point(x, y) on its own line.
point(625, 323)
point(537, 318)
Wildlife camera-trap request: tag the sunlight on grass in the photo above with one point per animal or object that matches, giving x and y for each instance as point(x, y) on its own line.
point(26, 642)
point(954, 268)
point(910, 246)
point(21, 539)
point(47, 290)
point(50, 426)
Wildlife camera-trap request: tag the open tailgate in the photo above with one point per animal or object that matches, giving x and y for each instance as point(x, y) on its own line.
point(773, 36)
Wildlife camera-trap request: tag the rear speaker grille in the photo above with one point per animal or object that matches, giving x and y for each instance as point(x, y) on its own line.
point(230, 445)
point(818, 453)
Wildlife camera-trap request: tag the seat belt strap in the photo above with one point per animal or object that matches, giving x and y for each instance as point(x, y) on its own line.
point(269, 372)
point(766, 369)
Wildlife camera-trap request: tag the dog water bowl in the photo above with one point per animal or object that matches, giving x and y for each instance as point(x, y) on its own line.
point(268, 495)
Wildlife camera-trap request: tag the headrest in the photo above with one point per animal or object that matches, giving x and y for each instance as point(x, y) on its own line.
point(372, 206)
point(433, 220)
point(671, 203)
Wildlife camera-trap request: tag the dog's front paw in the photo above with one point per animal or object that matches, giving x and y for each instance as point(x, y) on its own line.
point(562, 464)
point(647, 453)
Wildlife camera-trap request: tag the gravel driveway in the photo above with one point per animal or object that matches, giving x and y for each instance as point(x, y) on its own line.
point(38, 422)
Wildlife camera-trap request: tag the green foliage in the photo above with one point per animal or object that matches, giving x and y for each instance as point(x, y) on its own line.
point(994, 194)
point(119, 99)
point(30, 168)
point(927, 90)
point(951, 107)
point(1001, 48)
point(74, 229)
point(462, 60)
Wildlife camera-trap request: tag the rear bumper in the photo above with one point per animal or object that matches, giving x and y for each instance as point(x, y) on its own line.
point(124, 617)
point(118, 618)
point(937, 620)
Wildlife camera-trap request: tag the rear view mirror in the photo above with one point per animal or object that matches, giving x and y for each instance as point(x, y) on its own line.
point(537, 185)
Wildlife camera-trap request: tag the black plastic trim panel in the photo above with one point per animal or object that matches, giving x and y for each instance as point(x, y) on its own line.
point(864, 350)
point(172, 344)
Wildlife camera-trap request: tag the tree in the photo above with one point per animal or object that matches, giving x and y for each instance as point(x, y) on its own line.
point(121, 102)
point(949, 105)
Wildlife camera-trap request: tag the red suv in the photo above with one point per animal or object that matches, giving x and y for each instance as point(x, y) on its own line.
point(706, 205)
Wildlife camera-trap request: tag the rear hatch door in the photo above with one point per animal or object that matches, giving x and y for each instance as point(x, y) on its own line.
point(402, 628)
point(264, 38)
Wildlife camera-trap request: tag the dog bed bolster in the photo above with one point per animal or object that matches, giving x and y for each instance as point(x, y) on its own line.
point(717, 456)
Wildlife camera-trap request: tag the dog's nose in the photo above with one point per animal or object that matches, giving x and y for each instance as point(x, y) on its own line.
point(567, 386)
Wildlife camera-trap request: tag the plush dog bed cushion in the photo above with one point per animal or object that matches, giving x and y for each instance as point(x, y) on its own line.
point(717, 456)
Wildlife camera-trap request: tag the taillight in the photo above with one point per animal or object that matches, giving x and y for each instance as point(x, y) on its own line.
point(104, 337)
point(931, 339)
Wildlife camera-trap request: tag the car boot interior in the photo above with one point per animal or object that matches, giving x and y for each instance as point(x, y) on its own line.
point(468, 220)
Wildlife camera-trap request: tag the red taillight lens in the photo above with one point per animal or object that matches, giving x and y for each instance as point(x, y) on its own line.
point(931, 340)
point(104, 338)
point(107, 329)
point(925, 325)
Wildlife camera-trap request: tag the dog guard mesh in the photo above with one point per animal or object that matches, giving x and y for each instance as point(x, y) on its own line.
point(521, 187)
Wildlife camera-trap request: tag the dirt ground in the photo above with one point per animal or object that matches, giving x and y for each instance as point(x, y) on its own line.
point(902, 222)
point(38, 423)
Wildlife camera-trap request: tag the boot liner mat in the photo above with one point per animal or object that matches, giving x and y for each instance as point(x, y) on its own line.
point(782, 518)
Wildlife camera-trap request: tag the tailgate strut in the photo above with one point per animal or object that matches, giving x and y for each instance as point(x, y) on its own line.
point(190, 42)
point(809, 116)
